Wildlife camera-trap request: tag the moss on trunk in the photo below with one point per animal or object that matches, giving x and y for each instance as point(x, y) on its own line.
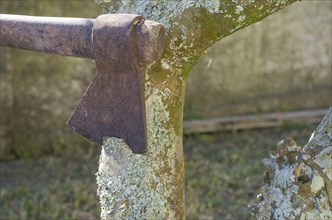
point(158, 176)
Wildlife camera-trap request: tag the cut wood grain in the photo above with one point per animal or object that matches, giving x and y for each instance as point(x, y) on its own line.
point(252, 121)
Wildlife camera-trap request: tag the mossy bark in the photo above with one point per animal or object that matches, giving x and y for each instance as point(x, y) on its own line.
point(151, 186)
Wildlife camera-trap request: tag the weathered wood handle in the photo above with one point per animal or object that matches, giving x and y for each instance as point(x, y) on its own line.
point(64, 36)
point(72, 36)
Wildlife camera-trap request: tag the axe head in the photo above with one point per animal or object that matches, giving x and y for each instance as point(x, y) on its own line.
point(114, 103)
point(111, 109)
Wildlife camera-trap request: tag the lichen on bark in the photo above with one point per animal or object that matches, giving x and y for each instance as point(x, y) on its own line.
point(144, 186)
point(301, 187)
point(192, 26)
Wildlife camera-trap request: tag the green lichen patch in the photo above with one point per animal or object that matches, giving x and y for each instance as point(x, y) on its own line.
point(317, 183)
point(323, 160)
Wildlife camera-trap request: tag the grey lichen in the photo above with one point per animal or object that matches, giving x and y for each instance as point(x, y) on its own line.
point(128, 186)
point(162, 11)
point(321, 137)
point(301, 187)
point(165, 11)
point(135, 186)
point(323, 160)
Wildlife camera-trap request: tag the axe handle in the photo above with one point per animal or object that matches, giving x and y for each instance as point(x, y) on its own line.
point(64, 36)
point(72, 36)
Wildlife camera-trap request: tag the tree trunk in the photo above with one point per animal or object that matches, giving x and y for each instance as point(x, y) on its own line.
point(302, 184)
point(151, 186)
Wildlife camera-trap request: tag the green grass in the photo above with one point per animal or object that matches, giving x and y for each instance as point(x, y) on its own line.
point(224, 171)
point(223, 174)
point(49, 188)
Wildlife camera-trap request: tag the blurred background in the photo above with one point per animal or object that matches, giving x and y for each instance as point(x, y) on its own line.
point(280, 65)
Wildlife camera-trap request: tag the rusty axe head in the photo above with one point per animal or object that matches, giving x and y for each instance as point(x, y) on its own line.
point(114, 103)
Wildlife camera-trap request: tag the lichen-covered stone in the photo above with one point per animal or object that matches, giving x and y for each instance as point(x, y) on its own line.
point(300, 188)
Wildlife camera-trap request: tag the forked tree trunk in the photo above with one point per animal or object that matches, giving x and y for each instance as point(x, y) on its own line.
point(151, 186)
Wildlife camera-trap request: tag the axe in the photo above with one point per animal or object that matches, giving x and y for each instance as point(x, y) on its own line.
point(121, 44)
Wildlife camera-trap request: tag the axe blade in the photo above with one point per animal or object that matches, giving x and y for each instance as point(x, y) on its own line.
point(110, 110)
point(114, 103)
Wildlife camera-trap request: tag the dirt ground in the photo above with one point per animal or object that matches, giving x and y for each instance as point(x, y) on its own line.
point(224, 171)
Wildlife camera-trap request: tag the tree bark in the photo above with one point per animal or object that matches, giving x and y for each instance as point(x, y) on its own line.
point(151, 186)
point(301, 187)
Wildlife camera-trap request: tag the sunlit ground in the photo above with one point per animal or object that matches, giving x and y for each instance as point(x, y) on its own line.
point(223, 174)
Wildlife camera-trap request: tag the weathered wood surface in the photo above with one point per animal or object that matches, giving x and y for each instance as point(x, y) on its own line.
point(251, 121)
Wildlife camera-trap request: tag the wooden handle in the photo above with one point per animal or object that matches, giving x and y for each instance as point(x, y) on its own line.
point(72, 36)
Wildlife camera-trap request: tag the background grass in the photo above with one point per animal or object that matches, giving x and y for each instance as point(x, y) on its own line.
point(223, 174)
